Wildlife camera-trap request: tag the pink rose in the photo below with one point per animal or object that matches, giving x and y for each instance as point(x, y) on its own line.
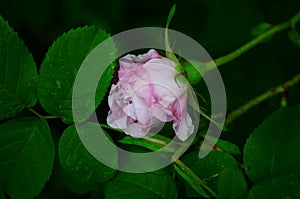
point(147, 95)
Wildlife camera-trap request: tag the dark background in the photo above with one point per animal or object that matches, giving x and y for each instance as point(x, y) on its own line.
point(219, 26)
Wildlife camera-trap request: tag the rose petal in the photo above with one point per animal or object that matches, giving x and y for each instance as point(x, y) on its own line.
point(182, 124)
point(184, 127)
point(141, 110)
point(158, 112)
point(136, 131)
point(147, 95)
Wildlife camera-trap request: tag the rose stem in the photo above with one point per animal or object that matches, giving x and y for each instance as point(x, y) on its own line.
point(257, 40)
point(257, 100)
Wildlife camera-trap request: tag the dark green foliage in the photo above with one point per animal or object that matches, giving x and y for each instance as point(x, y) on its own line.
point(80, 166)
point(18, 74)
point(46, 159)
point(220, 171)
point(270, 150)
point(26, 157)
point(59, 69)
point(135, 186)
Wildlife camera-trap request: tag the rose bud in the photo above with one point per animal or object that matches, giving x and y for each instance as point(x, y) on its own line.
point(147, 95)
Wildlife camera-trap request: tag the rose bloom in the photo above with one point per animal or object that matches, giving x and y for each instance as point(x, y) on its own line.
point(147, 95)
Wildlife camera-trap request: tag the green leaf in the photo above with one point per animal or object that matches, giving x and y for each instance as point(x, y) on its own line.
point(193, 74)
point(231, 184)
point(272, 148)
point(26, 157)
point(78, 162)
point(59, 69)
point(278, 187)
point(56, 186)
point(213, 169)
point(170, 16)
point(260, 28)
point(140, 142)
point(144, 185)
point(148, 143)
point(191, 182)
point(169, 52)
point(228, 147)
point(18, 74)
point(74, 184)
point(294, 37)
point(126, 163)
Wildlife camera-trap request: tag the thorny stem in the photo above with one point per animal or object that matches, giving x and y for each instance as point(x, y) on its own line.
point(257, 40)
point(257, 100)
